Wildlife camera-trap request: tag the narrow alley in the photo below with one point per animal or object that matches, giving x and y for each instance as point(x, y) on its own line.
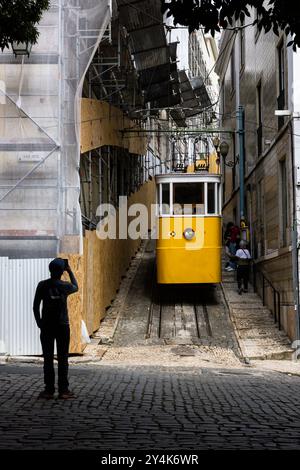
point(159, 324)
point(167, 314)
point(208, 325)
point(149, 228)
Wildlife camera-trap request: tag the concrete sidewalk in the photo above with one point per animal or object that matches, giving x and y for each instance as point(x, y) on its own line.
point(258, 336)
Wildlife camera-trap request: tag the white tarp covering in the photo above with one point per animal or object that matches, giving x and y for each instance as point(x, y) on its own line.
point(19, 334)
point(39, 131)
point(39, 159)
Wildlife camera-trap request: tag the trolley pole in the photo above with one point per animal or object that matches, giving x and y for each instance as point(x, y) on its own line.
point(241, 134)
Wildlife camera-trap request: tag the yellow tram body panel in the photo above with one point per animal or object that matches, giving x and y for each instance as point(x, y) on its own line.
point(181, 261)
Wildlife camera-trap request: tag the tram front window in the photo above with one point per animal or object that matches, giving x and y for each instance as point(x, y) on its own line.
point(188, 198)
point(211, 209)
point(165, 198)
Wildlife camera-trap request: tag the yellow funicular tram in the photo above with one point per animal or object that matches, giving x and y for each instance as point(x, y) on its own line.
point(188, 247)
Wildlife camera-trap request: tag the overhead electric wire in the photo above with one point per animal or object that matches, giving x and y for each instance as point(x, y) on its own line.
point(234, 113)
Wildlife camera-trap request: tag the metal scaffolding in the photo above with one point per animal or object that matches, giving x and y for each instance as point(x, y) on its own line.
point(39, 120)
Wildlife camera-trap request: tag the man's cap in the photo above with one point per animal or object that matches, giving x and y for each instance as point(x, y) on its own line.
point(57, 265)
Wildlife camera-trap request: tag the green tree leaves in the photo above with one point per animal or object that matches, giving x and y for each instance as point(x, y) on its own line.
point(19, 19)
point(213, 14)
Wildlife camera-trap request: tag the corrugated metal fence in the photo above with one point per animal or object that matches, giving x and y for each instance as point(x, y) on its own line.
point(19, 334)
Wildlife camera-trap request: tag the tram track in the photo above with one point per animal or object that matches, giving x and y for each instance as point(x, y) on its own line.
point(179, 313)
point(158, 315)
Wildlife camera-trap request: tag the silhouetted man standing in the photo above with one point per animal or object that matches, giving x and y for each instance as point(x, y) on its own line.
point(54, 325)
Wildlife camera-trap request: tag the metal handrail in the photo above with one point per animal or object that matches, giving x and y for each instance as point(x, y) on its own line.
point(276, 294)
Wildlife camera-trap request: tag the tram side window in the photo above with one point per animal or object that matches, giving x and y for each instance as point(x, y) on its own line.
point(165, 198)
point(218, 209)
point(211, 198)
point(188, 198)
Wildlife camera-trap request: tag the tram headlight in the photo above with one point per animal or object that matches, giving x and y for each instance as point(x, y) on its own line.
point(189, 233)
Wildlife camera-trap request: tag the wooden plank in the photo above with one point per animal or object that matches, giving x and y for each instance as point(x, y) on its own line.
point(167, 321)
point(189, 320)
point(155, 321)
point(101, 124)
point(75, 302)
point(202, 324)
point(218, 321)
point(179, 326)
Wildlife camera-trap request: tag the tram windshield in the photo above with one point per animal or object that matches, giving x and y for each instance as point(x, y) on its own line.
point(188, 198)
point(192, 198)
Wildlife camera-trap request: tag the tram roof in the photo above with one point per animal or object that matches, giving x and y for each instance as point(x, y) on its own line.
point(185, 177)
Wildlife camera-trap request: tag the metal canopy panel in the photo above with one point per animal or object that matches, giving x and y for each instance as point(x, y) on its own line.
point(158, 90)
point(168, 101)
point(149, 38)
point(194, 94)
point(155, 60)
point(170, 79)
point(187, 95)
point(205, 99)
point(193, 98)
point(144, 22)
point(165, 95)
point(152, 58)
point(197, 83)
point(136, 14)
point(191, 103)
point(159, 74)
point(189, 99)
point(185, 84)
point(201, 91)
point(178, 117)
point(154, 75)
point(173, 51)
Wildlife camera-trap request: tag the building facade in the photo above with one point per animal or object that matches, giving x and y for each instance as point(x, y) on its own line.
point(258, 76)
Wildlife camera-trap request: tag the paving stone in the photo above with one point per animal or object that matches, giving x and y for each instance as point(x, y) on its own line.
point(215, 409)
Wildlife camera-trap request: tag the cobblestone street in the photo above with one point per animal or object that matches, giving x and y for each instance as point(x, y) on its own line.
point(151, 408)
point(165, 371)
point(149, 230)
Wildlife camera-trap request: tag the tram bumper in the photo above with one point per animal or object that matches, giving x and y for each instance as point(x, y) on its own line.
point(181, 266)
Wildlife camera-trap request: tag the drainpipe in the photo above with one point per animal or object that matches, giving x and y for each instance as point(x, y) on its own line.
point(241, 134)
point(295, 252)
point(293, 76)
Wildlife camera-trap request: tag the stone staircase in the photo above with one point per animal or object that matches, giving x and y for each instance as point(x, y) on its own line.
point(258, 335)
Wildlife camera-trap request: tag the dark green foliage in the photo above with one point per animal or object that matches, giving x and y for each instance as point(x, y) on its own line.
point(19, 19)
point(215, 14)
